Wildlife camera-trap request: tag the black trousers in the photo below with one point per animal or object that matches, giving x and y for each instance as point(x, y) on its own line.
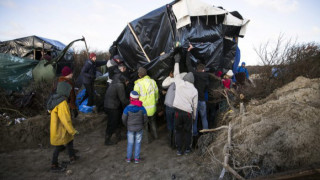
point(89, 94)
point(114, 120)
point(58, 149)
point(212, 110)
point(183, 129)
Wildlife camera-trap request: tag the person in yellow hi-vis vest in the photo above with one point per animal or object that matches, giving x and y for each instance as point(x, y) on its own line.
point(149, 95)
point(61, 129)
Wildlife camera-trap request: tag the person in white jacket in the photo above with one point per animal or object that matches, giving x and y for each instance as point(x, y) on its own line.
point(169, 84)
point(185, 104)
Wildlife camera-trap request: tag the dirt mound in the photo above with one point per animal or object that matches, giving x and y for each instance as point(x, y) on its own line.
point(35, 131)
point(276, 134)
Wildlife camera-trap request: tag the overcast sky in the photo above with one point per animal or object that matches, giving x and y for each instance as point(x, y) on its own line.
point(101, 21)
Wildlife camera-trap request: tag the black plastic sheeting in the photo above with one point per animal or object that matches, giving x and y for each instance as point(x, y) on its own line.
point(24, 47)
point(157, 33)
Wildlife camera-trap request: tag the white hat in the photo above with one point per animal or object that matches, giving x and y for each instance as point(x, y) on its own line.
point(230, 73)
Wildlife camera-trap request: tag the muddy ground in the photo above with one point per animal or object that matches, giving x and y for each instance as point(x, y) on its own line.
point(98, 161)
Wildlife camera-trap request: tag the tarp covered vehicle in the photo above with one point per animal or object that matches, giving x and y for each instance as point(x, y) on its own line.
point(149, 40)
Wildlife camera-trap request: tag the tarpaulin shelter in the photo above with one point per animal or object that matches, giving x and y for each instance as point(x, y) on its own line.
point(17, 66)
point(31, 47)
point(149, 41)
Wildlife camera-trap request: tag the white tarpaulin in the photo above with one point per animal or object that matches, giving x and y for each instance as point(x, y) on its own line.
point(184, 9)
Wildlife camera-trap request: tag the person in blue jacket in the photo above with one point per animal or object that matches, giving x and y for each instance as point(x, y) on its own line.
point(243, 69)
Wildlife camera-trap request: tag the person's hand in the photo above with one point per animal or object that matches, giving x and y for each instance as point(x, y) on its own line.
point(190, 47)
point(177, 58)
point(77, 132)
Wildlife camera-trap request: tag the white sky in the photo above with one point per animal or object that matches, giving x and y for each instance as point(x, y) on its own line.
point(101, 21)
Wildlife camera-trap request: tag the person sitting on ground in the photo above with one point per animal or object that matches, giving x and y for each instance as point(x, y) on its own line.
point(149, 95)
point(114, 102)
point(185, 104)
point(169, 84)
point(134, 117)
point(61, 129)
point(88, 73)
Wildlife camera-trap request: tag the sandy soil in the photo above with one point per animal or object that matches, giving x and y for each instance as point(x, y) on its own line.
point(98, 161)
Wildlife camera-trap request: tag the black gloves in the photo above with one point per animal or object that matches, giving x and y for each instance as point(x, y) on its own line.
point(177, 58)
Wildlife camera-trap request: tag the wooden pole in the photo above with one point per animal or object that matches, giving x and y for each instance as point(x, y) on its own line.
point(135, 36)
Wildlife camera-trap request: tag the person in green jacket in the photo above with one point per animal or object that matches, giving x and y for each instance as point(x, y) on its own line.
point(149, 95)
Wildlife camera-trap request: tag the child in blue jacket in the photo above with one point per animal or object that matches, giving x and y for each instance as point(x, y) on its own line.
point(134, 117)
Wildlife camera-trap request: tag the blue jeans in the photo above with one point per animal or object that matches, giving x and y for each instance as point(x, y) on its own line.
point(170, 118)
point(134, 138)
point(202, 109)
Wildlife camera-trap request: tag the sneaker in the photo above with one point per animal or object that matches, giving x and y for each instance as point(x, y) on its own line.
point(128, 160)
point(74, 159)
point(56, 168)
point(136, 161)
point(187, 151)
point(179, 152)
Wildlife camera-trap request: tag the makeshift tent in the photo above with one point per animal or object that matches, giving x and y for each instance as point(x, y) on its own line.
point(149, 40)
point(31, 47)
point(15, 72)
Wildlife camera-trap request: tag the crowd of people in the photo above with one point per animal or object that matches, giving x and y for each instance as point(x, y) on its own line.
point(132, 101)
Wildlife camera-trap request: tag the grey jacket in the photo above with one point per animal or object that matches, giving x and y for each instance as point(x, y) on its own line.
point(134, 117)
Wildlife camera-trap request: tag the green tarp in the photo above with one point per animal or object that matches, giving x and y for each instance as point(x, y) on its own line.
point(15, 72)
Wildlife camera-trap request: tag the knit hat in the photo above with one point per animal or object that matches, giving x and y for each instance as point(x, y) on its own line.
point(189, 77)
point(92, 55)
point(118, 59)
point(142, 71)
point(243, 63)
point(66, 71)
point(134, 95)
point(230, 73)
point(219, 73)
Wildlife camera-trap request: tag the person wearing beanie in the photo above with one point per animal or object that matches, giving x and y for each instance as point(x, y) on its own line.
point(88, 73)
point(66, 76)
point(226, 81)
point(169, 84)
point(134, 117)
point(201, 84)
point(185, 104)
point(149, 95)
point(61, 129)
point(114, 102)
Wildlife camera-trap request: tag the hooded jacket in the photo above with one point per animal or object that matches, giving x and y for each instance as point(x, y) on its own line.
point(186, 95)
point(72, 97)
point(169, 82)
point(61, 129)
point(134, 116)
point(149, 93)
point(201, 79)
point(89, 69)
point(115, 97)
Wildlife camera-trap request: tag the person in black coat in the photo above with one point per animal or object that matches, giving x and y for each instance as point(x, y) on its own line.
point(88, 73)
point(114, 102)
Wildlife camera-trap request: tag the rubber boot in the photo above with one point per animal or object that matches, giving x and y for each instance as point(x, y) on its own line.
point(118, 135)
point(145, 135)
point(154, 128)
point(108, 141)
